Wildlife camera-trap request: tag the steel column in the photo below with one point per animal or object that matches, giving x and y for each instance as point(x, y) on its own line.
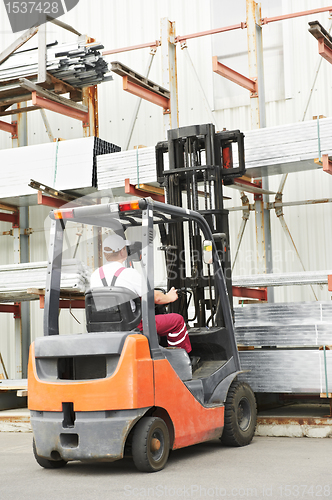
point(258, 120)
point(169, 73)
point(42, 54)
point(91, 122)
point(22, 254)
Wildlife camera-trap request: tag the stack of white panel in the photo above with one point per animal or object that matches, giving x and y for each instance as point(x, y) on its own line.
point(16, 279)
point(268, 151)
point(287, 148)
point(63, 165)
point(139, 165)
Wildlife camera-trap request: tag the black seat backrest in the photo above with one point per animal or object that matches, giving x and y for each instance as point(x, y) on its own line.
point(109, 309)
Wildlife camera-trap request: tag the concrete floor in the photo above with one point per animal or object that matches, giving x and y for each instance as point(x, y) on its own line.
point(272, 468)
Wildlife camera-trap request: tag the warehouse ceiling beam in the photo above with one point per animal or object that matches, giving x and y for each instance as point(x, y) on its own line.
point(141, 86)
point(48, 100)
point(234, 76)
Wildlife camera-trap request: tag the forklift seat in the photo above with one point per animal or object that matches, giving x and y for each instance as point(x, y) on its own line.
point(112, 309)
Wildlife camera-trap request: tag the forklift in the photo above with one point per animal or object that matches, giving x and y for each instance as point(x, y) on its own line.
point(116, 391)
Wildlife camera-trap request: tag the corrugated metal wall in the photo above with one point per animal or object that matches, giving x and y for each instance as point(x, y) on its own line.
point(291, 60)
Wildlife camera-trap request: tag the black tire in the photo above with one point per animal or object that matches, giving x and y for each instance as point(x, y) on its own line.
point(150, 445)
point(44, 462)
point(240, 415)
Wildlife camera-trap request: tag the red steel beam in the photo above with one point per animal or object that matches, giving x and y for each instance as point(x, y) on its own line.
point(146, 94)
point(59, 108)
point(327, 164)
point(324, 50)
point(8, 127)
point(156, 43)
point(65, 303)
point(48, 201)
point(13, 218)
point(131, 189)
point(251, 293)
point(267, 20)
point(11, 308)
point(329, 281)
point(242, 25)
point(233, 76)
point(182, 38)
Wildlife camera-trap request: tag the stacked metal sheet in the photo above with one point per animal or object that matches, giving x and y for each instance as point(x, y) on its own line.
point(283, 279)
point(78, 63)
point(286, 339)
point(287, 371)
point(65, 165)
point(269, 151)
point(286, 148)
point(139, 165)
point(17, 279)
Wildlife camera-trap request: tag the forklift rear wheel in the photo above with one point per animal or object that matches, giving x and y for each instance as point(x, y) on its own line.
point(44, 462)
point(150, 445)
point(240, 415)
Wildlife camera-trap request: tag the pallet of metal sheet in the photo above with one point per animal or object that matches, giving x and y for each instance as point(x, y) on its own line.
point(302, 325)
point(63, 165)
point(283, 279)
point(78, 63)
point(287, 371)
point(287, 148)
point(16, 279)
point(139, 165)
point(269, 151)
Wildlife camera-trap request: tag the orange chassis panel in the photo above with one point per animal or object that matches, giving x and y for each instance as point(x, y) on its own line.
point(138, 382)
point(130, 386)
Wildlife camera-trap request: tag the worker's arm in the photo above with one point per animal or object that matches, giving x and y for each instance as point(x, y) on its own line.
point(165, 298)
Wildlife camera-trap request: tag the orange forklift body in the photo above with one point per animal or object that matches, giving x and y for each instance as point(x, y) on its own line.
point(138, 382)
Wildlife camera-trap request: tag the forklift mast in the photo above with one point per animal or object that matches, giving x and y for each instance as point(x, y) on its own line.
point(200, 162)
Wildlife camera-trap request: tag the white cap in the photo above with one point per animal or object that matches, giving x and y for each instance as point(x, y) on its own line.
point(114, 243)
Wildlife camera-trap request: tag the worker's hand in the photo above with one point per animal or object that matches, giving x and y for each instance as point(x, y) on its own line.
point(172, 295)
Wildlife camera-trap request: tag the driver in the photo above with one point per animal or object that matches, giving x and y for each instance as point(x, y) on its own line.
point(114, 272)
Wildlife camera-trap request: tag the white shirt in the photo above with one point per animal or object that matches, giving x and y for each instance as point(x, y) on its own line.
point(129, 278)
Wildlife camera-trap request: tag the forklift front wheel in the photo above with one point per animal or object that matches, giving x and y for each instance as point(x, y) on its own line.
point(44, 462)
point(240, 415)
point(150, 445)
